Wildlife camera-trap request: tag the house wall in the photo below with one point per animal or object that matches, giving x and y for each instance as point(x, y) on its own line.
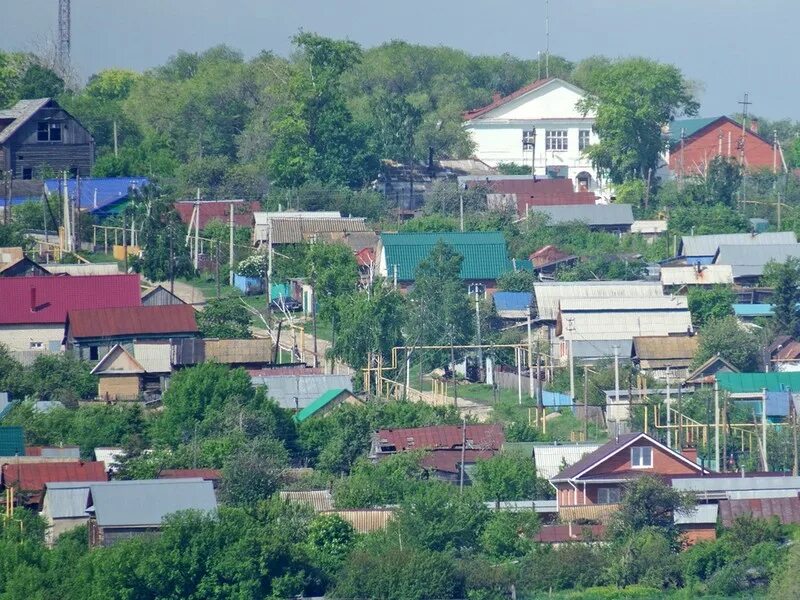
point(55, 527)
point(699, 151)
point(20, 338)
point(108, 536)
point(692, 534)
point(119, 386)
point(663, 464)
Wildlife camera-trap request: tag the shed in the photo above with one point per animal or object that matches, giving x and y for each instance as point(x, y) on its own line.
point(326, 403)
point(513, 305)
point(64, 508)
point(123, 509)
point(656, 354)
point(300, 391)
point(160, 296)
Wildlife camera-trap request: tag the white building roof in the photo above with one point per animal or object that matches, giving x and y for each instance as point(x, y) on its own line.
point(550, 459)
point(548, 295)
point(707, 245)
point(612, 319)
point(701, 275)
point(83, 269)
point(649, 226)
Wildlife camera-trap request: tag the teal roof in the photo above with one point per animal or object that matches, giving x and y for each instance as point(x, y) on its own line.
point(319, 404)
point(688, 126)
point(738, 383)
point(485, 255)
point(12, 441)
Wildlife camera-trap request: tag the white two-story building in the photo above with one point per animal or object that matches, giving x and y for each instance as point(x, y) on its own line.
point(539, 124)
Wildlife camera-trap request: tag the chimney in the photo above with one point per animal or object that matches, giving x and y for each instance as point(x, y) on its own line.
point(690, 454)
point(33, 299)
point(754, 125)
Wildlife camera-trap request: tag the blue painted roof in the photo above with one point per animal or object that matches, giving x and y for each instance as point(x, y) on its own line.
point(777, 404)
point(555, 399)
point(512, 300)
point(752, 310)
point(108, 190)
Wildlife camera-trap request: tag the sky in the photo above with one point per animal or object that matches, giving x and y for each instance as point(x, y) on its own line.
point(728, 46)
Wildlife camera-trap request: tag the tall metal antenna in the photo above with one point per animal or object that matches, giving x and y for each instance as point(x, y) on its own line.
point(547, 38)
point(745, 103)
point(63, 36)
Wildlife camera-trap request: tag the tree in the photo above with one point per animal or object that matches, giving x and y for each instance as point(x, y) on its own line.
point(254, 472)
point(61, 377)
point(439, 309)
point(330, 540)
point(505, 477)
point(510, 534)
point(368, 323)
point(785, 279)
point(632, 99)
point(388, 481)
point(224, 318)
point(707, 303)
point(12, 375)
point(333, 271)
point(723, 179)
point(727, 338)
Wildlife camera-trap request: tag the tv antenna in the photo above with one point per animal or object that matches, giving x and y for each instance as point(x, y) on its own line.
point(63, 36)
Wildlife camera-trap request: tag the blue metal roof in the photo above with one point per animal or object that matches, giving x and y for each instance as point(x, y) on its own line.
point(777, 404)
point(512, 300)
point(752, 310)
point(98, 194)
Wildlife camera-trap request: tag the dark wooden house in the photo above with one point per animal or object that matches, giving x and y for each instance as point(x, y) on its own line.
point(39, 133)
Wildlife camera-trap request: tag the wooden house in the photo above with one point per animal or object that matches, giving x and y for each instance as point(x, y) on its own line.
point(124, 375)
point(664, 356)
point(37, 134)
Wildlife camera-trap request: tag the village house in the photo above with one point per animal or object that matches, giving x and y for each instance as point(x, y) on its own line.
point(120, 510)
point(523, 193)
point(64, 508)
point(300, 388)
point(747, 262)
point(701, 249)
point(303, 226)
point(539, 125)
point(694, 143)
point(34, 309)
point(485, 256)
point(39, 133)
point(614, 218)
point(28, 479)
point(130, 375)
point(90, 334)
point(665, 357)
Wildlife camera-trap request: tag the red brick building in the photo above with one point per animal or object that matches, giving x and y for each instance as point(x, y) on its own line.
point(696, 142)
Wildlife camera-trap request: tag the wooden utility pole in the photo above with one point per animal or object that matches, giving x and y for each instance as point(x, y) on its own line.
point(585, 402)
point(230, 249)
point(314, 314)
point(124, 240)
point(216, 267)
point(171, 231)
point(463, 452)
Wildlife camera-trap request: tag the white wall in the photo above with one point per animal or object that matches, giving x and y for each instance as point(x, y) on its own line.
point(18, 338)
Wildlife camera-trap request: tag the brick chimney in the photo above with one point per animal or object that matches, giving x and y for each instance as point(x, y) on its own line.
point(690, 453)
point(33, 299)
point(754, 125)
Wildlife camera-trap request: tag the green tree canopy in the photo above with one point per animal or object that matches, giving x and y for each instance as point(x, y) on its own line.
point(224, 318)
point(727, 338)
point(707, 303)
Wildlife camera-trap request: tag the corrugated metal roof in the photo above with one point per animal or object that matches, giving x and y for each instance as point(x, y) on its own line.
point(665, 347)
point(690, 275)
point(53, 297)
point(63, 452)
point(484, 253)
point(610, 319)
point(449, 461)
point(599, 215)
point(599, 455)
point(548, 295)
point(591, 512)
point(208, 474)
point(701, 514)
point(598, 349)
point(145, 503)
point(736, 483)
point(294, 228)
point(321, 403)
point(239, 351)
point(551, 458)
point(649, 226)
point(707, 245)
point(576, 305)
point(31, 477)
point(479, 437)
point(688, 127)
point(98, 194)
point(512, 303)
point(155, 358)
point(219, 210)
point(753, 310)
point(786, 509)
point(499, 101)
point(65, 500)
point(366, 520)
point(756, 382)
point(109, 456)
point(12, 441)
point(132, 320)
point(83, 269)
point(284, 389)
point(20, 112)
point(319, 500)
point(560, 534)
point(750, 260)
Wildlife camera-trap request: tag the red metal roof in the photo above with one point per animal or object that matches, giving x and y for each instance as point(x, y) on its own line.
point(209, 474)
point(220, 211)
point(548, 255)
point(365, 257)
point(500, 100)
point(554, 534)
point(786, 509)
point(47, 299)
point(448, 461)
point(479, 437)
point(31, 477)
point(526, 186)
point(134, 320)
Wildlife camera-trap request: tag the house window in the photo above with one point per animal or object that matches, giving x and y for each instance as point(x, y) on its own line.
point(608, 495)
point(93, 353)
point(48, 132)
point(641, 457)
point(583, 139)
point(556, 139)
point(529, 139)
point(36, 346)
point(27, 173)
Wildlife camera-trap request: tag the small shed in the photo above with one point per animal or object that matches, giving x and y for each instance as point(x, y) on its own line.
point(326, 403)
point(160, 296)
point(64, 508)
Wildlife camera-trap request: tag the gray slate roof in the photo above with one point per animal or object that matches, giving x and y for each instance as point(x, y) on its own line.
point(66, 500)
point(707, 245)
point(606, 215)
point(306, 388)
point(20, 112)
point(749, 261)
point(145, 503)
point(597, 349)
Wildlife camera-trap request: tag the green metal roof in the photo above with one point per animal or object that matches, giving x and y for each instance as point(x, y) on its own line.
point(319, 404)
point(485, 255)
point(12, 442)
point(688, 126)
point(738, 383)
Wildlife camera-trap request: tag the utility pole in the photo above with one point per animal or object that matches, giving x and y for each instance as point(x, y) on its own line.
point(669, 418)
point(764, 426)
point(463, 452)
point(745, 104)
point(314, 314)
point(616, 375)
point(453, 366)
point(64, 40)
point(171, 230)
point(716, 424)
point(585, 402)
point(216, 267)
point(230, 249)
point(461, 210)
point(571, 330)
point(197, 231)
point(530, 357)
point(116, 146)
point(547, 38)
point(124, 240)
point(475, 288)
point(67, 228)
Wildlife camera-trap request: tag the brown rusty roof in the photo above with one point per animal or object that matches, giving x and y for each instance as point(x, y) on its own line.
point(786, 509)
point(665, 347)
point(589, 512)
point(31, 477)
point(479, 437)
point(209, 474)
point(448, 461)
point(135, 320)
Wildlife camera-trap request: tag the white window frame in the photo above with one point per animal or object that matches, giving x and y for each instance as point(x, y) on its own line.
point(638, 454)
point(604, 495)
point(556, 139)
point(584, 138)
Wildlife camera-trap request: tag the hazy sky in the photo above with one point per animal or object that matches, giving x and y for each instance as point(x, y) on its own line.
point(729, 46)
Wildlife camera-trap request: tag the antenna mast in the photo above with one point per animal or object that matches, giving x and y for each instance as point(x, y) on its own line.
point(63, 36)
point(547, 38)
